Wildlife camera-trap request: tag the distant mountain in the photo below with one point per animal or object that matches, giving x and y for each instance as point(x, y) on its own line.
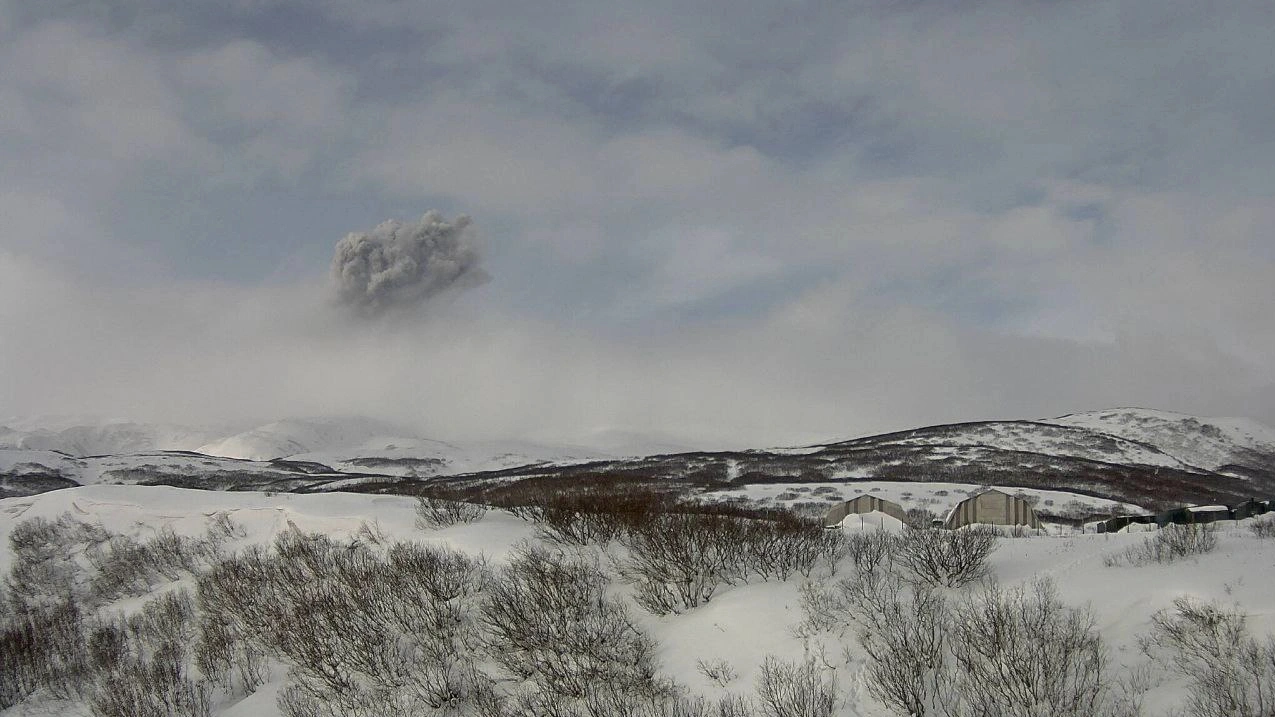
point(283, 455)
point(306, 435)
point(105, 438)
point(1213, 443)
point(1137, 456)
point(1146, 458)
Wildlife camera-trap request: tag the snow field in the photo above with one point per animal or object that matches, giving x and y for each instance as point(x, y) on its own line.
point(741, 624)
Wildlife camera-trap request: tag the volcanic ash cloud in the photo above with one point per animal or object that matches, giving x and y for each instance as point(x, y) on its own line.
point(404, 265)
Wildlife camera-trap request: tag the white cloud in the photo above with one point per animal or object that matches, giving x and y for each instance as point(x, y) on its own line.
point(812, 219)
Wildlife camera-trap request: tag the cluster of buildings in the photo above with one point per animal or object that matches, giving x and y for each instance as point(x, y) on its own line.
point(994, 507)
point(991, 507)
point(1195, 514)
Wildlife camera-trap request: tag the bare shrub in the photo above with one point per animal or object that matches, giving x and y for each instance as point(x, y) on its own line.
point(950, 558)
point(365, 635)
point(679, 560)
point(1169, 544)
point(1024, 652)
point(42, 648)
point(145, 689)
point(607, 702)
point(1231, 673)
point(1263, 528)
point(997, 652)
point(795, 689)
point(547, 619)
point(717, 670)
point(870, 550)
point(903, 634)
point(434, 513)
point(146, 675)
point(44, 571)
point(775, 549)
point(919, 518)
point(222, 528)
point(125, 567)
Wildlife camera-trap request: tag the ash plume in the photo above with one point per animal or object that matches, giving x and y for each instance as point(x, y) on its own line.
point(401, 264)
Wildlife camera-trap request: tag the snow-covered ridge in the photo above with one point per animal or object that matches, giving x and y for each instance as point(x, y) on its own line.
point(1198, 441)
point(1032, 437)
point(1129, 455)
point(348, 444)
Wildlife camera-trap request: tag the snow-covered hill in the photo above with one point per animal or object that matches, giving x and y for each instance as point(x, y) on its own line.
point(282, 439)
point(103, 438)
point(1037, 437)
point(1149, 458)
point(1204, 442)
point(361, 445)
point(92, 451)
point(744, 624)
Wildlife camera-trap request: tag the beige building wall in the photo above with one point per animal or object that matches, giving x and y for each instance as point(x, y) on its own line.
point(993, 507)
point(862, 504)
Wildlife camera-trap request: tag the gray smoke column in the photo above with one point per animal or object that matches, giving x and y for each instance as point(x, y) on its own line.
point(398, 264)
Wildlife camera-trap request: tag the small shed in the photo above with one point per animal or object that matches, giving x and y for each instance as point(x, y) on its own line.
point(862, 504)
point(1120, 522)
point(1193, 514)
point(993, 507)
point(1249, 509)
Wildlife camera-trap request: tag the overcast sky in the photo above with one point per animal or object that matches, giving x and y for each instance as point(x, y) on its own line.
point(734, 223)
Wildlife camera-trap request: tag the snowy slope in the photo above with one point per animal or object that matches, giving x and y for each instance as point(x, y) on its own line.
point(304, 435)
point(1031, 437)
point(1205, 442)
point(742, 625)
point(96, 439)
point(1150, 458)
point(346, 444)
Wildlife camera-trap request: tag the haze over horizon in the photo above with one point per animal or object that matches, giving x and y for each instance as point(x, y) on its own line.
point(728, 223)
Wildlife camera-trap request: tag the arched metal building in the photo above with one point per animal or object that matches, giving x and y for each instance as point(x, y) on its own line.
point(992, 507)
point(862, 504)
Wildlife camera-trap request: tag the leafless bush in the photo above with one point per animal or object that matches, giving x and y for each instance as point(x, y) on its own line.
point(679, 560)
point(222, 528)
point(44, 571)
point(124, 566)
point(950, 558)
point(997, 652)
point(143, 662)
point(1169, 544)
point(590, 517)
point(1232, 673)
point(609, 703)
point(717, 670)
point(1024, 652)
point(870, 550)
point(371, 533)
point(438, 513)
point(564, 523)
point(919, 518)
point(42, 648)
point(795, 689)
point(365, 635)
point(775, 549)
point(1263, 528)
point(547, 619)
point(903, 634)
point(144, 689)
